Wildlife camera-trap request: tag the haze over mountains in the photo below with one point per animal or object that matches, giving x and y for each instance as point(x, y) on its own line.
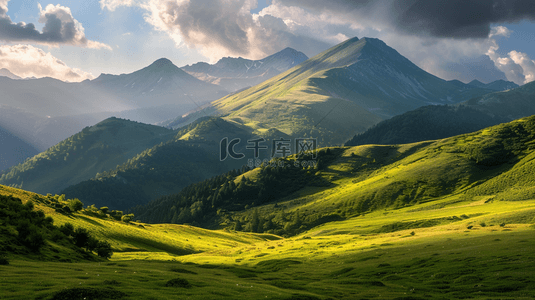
point(237, 73)
point(43, 112)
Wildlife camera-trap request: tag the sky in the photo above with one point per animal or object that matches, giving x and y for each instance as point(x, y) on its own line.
point(74, 40)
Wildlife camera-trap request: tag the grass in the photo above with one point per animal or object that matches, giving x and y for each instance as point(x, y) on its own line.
point(337, 260)
point(460, 233)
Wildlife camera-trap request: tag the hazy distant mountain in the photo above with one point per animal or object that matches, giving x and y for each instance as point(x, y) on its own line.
point(5, 72)
point(13, 150)
point(95, 149)
point(437, 122)
point(43, 112)
point(43, 132)
point(161, 83)
point(236, 73)
point(511, 104)
point(498, 85)
point(343, 90)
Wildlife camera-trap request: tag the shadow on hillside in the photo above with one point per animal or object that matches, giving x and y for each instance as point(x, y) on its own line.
point(88, 220)
point(146, 243)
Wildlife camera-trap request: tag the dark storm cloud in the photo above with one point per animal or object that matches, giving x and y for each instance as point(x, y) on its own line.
point(439, 18)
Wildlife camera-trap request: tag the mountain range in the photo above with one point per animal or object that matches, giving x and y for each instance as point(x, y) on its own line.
point(294, 104)
point(343, 90)
point(237, 73)
point(43, 112)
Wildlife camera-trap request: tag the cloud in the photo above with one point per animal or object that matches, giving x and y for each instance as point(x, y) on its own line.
point(527, 65)
point(436, 35)
point(513, 71)
point(222, 27)
point(438, 18)
point(60, 27)
point(112, 5)
point(29, 61)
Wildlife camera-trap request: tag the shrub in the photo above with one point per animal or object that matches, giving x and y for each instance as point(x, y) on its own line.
point(75, 204)
point(67, 229)
point(104, 249)
point(81, 237)
point(4, 261)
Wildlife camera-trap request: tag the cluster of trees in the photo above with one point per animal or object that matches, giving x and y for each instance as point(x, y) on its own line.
point(105, 212)
point(214, 201)
point(23, 226)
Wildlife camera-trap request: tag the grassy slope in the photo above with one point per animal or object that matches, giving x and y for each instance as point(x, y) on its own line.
point(339, 260)
point(470, 238)
point(291, 103)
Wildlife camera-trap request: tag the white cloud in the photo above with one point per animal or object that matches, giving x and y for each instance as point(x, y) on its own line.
point(29, 61)
point(221, 28)
point(499, 31)
point(60, 28)
point(518, 67)
point(527, 64)
point(112, 5)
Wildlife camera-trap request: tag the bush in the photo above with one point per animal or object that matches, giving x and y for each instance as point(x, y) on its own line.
point(104, 249)
point(81, 237)
point(127, 218)
point(75, 204)
point(67, 229)
point(4, 261)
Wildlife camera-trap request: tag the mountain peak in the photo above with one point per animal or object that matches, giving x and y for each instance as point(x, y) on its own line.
point(162, 63)
point(5, 72)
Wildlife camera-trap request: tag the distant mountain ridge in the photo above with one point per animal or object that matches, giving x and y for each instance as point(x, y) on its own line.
point(497, 85)
point(437, 122)
point(236, 73)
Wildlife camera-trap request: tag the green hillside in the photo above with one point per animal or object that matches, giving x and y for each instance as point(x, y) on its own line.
point(475, 241)
point(353, 181)
point(451, 218)
point(95, 149)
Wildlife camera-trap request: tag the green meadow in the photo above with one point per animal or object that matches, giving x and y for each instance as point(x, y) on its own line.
point(447, 250)
point(444, 219)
